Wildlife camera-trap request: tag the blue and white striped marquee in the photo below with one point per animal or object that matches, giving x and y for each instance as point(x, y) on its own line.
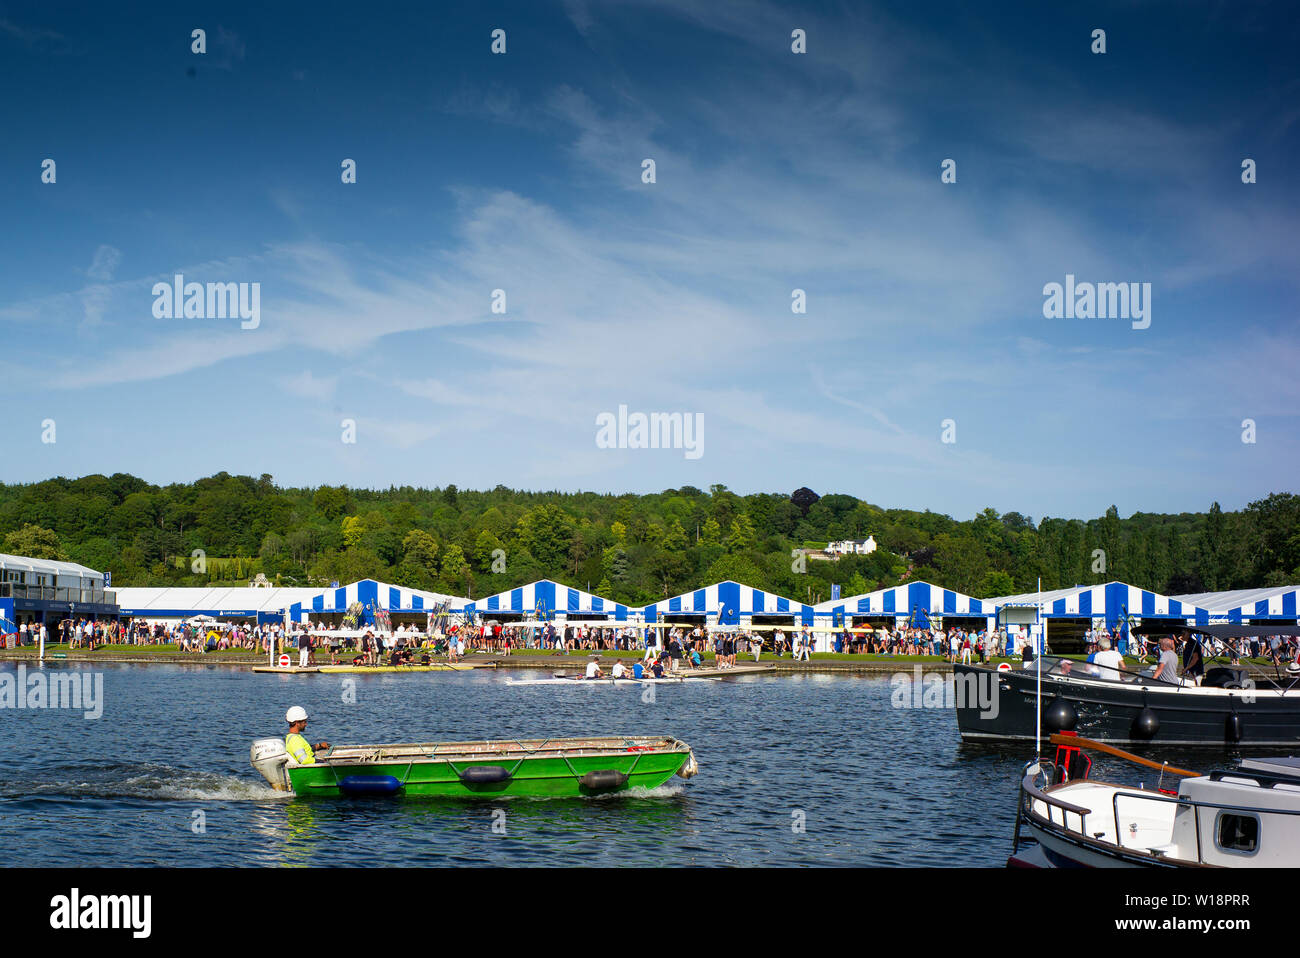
point(1115, 602)
point(547, 599)
point(915, 601)
point(372, 595)
point(727, 603)
point(1279, 602)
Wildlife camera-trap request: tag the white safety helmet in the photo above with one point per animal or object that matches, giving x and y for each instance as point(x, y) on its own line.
point(296, 714)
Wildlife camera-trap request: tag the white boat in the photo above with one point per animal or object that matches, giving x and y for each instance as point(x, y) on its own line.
point(607, 680)
point(1246, 817)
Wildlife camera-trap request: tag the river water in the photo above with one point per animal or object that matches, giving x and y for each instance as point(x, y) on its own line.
point(802, 770)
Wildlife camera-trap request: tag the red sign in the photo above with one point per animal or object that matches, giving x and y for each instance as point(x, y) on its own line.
point(284, 661)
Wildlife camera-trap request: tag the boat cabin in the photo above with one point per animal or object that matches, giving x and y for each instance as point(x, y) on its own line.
point(1248, 816)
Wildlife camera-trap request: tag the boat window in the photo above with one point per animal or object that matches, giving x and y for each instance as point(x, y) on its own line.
point(1070, 668)
point(1235, 832)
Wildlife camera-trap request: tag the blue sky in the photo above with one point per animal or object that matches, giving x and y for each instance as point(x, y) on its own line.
point(775, 171)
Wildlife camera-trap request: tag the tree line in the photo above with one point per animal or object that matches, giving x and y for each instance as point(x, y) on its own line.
point(224, 529)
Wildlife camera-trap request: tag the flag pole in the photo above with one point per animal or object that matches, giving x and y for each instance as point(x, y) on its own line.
point(1038, 711)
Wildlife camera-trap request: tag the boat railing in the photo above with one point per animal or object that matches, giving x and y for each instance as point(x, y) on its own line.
point(1262, 779)
point(462, 751)
point(1033, 793)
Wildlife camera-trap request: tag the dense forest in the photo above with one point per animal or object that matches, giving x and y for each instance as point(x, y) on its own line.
point(632, 548)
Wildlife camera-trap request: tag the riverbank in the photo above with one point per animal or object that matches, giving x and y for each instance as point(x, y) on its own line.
point(835, 662)
point(518, 659)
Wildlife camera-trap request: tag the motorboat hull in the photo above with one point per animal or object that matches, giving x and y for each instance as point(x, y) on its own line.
point(1114, 712)
point(553, 768)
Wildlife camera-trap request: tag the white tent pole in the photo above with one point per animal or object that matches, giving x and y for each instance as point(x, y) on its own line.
point(1038, 711)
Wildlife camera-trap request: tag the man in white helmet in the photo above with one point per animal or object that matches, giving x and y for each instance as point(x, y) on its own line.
point(297, 746)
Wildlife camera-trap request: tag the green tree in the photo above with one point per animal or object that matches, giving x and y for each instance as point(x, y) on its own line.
point(272, 546)
point(711, 533)
point(353, 530)
point(742, 534)
point(455, 568)
point(349, 566)
point(674, 540)
point(736, 568)
point(421, 550)
point(484, 546)
point(330, 501)
point(34, 542)
point(616, 564)
point(995, 583)
point(546, 531)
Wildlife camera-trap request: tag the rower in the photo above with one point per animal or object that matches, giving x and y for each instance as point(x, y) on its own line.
point(296, 745)
point(618, 671)
point(593, 668)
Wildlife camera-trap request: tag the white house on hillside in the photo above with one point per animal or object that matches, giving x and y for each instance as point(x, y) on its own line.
point(847, 547)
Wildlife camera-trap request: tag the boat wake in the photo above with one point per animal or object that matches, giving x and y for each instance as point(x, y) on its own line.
point(140, 781)
point(667, 790)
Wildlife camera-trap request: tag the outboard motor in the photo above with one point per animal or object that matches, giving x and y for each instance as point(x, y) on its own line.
point(271, 758)
point(689, 767)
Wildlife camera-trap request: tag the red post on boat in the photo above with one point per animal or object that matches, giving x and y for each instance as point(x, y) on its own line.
point(1071, 762)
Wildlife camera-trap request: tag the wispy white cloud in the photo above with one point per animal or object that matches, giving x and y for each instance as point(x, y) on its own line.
point(104, 264)
point(779, 172)
point(310, 386)
point(39, 37)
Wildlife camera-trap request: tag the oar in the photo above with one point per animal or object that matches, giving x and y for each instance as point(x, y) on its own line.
point(1058, 739)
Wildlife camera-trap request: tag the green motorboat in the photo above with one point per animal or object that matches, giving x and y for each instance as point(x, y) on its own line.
point(543, 768)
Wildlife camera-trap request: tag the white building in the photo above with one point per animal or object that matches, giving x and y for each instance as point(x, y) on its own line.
point(45, 590)
point(849, 547)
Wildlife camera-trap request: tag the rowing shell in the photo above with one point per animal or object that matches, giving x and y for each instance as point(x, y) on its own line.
point(609, 681)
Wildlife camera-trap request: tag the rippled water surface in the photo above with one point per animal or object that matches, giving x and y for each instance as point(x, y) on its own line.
point(869, 783)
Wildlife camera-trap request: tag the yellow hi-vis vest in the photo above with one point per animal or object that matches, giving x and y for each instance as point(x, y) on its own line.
point(299, 748)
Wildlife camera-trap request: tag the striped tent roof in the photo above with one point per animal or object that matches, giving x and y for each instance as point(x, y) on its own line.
point(912, 597)
point(373, 595)
point(243, 601)
point(1113, 601)
point(1279, 602)
point(727, 602)
point(545, 598)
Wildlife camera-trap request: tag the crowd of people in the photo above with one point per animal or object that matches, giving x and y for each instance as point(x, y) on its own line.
point(674, 647)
